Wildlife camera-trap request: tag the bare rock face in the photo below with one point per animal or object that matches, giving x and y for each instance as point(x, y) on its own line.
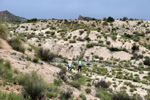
point(11, 17)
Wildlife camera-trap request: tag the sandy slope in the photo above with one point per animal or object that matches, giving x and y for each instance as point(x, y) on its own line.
point(47, 71)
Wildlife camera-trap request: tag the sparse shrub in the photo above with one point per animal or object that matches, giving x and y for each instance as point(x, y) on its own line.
point(88, 31)
point(11, 96)
point(147, 31)
point(30, 36)
point(121, 96)
point(88, 90)
point(102, 84)
point(5, 70)
point(104, 18)
point(76, 84)
point(96, 56)
point(135, 48)
point(147, 97)
point(105, 23)
point(80, 39)
point(47, 32)
point(147, 61)
point(136, 79)
point(66, 95)
point(57, 82)
point(62, 73)
point(22, 26)
point(45, 54)
point(127, 35)
point(77, 76)
point(87, 38)
point(103, 94)
point(32, 20)
point(114, 38)
point(72, 41)
point(113, 49)
point(3, 33)
point(7, 64)
point(132, 90)
point(108, 42)
point(51, 94)
point(35, 60)
point(34, 85)
point(98, 29)
point(16, 44)
point(82, 96)
point(102, 71)
point(81, 32)
point(90, 45)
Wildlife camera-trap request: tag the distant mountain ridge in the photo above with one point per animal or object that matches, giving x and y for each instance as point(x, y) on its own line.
point(11, 17)
point(85, 18)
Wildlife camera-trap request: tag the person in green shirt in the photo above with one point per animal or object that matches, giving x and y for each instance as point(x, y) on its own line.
point(80, 65)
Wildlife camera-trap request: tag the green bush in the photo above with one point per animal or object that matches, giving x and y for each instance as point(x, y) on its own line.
point(110, 19)
point(62, 73)
point(87, 38)
point(51, 94)
point(45, 54)
point(81, 32)
point(135, 48)
point(113, 49)
point(102, 84)
point(105, 23)
point(66, 95)
point(11, 96)
point(34, 85)
point(16, 44)
point(57, 82)
point(147, 61)
point(90, 45)
point(3, 33)
point(121, 96)
point(32, 20)
point(5, 70)
point(108, 42)
point(76, 84)
point(103, 94)
point(88, 90)
point(72, 41)
point(102, 71)
point(82, 96)
point(36, 60)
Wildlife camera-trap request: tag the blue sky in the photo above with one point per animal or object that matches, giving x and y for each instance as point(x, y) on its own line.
point(71, 9)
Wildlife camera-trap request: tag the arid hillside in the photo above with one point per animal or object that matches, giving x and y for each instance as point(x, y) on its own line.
point(115, 56)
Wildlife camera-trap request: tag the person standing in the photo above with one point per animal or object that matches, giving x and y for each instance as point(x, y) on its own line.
point(80, 65)
point(69, 64)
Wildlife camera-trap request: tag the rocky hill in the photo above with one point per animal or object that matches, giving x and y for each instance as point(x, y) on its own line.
point(85, 18)
point(11, 17)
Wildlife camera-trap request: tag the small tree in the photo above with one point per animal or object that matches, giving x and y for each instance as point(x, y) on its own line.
point(125, 18)
point(110, 19)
